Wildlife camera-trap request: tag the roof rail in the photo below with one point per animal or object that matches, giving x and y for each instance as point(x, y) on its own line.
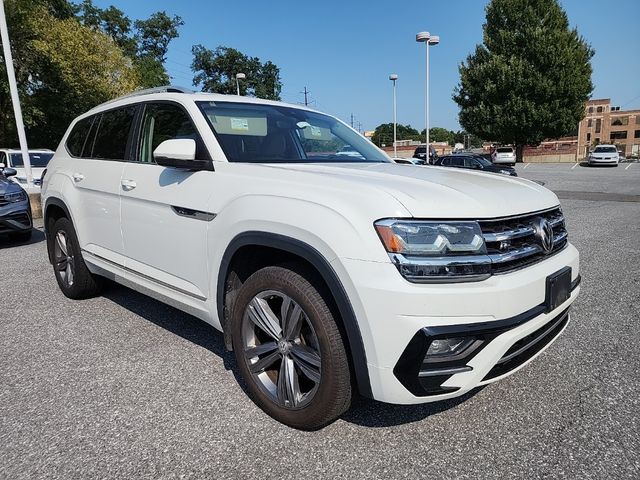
point(149, 91)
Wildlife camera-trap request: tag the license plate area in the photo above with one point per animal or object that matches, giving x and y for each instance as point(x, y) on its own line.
point(558, 288)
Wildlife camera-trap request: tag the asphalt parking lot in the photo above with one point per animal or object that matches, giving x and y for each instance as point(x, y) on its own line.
point(124, 386)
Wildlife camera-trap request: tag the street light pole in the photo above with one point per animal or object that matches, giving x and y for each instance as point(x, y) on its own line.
point(393, 77)
point(15, 99)
point(428, 40)
point(239, 76)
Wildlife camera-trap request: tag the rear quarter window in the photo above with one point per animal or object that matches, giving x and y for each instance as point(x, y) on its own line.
point(78, 136)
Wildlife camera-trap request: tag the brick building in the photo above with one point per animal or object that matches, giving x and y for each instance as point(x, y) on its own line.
point(604, 123)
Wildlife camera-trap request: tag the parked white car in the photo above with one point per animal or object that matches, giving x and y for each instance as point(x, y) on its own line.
point(504, 156)
point(12, 158)
point(604, 155)
point(327, 273)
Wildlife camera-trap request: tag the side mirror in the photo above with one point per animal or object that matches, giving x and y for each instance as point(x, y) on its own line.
point(9, 172)
point(180, 153)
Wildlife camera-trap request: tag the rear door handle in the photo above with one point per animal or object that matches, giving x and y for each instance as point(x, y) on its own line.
point(77, 177)
point(128, 185)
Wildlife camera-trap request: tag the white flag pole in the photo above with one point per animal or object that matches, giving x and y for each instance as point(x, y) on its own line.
point(8, 59)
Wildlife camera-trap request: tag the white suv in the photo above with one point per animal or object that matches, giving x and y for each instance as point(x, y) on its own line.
point(327, 273)
point(504, 156)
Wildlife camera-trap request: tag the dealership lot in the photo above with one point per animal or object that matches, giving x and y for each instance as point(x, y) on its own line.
point(124, 386)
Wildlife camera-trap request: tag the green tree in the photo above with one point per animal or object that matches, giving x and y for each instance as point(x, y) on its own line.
point(146, 43)
point(62, 69)
point(530, 78)
point(383, 134)
point(215, 71)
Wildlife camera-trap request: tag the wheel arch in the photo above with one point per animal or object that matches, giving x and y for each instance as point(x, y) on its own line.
point(324, 269)
point(54, 208)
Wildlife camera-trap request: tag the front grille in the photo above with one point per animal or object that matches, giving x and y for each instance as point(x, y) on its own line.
point(528, 346)
point(15, 222)
point(513, 243)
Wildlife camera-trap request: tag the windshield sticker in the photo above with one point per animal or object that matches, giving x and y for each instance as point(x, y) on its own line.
point(315, 131)
point(240, 124)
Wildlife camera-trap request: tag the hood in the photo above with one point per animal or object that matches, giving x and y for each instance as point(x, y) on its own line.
point(8, 186)
point(437, 192)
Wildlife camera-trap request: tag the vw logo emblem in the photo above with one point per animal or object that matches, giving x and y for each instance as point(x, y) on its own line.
point(543, 233)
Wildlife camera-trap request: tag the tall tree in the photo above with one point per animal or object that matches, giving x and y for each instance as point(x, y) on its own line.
point(215, 71)
point(62, 67)
point(146, 43)
point(383, 134)
point(530, 78)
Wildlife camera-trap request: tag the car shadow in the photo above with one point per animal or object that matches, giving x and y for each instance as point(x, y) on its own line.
point(371, 413)
point(37, 236)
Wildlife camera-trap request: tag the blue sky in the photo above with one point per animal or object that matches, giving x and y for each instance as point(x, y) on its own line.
point(344, 51)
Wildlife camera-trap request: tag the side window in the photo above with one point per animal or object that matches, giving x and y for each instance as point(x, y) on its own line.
point(78, 136)
point(470, 163)
point(3, 159)
point(160, 122)
point(457, 162)
point(113, 134)
point(445, 161)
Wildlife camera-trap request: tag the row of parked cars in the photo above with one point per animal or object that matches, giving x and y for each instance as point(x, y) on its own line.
point(502, 160)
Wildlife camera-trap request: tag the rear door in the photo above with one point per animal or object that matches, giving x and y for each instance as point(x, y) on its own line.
point(164, 210)
point(98, 149)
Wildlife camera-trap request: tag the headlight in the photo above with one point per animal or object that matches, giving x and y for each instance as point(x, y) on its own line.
point(506, 172)
point(15, 197)
point(431, 251)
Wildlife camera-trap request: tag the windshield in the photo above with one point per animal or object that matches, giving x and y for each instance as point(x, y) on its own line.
point(605, 150)
point(37, 159)
point(273, 133)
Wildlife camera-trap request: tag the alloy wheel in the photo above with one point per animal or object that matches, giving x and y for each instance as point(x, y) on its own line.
point(64, 261)
point(281, 349)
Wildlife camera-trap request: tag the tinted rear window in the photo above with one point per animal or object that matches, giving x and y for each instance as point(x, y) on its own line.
point(505, 150)
point(78, 136)
point(113, 134)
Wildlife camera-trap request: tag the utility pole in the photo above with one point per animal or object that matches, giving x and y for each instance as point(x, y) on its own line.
point(359, 127)
point(352, 120)
point(13, 87)
point(306, 92)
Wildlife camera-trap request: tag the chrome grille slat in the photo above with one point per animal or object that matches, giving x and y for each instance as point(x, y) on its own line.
point(512, 242)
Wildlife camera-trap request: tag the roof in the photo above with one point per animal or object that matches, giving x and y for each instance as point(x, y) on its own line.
point(175, 92)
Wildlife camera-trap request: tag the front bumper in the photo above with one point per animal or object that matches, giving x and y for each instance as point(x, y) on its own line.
point(15, 217)
point(505, 308)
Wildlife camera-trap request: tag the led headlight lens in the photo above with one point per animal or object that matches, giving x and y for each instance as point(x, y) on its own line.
point(15, 197)
point(431, 238)
point(432, 251)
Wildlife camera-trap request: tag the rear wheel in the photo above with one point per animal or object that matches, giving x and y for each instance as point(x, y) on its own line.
point(289, 349)
point(73, 277)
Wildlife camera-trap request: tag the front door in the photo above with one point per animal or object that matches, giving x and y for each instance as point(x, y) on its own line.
point(163, 210)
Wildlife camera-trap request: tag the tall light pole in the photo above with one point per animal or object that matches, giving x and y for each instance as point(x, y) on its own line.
point(393, 77)
point(15, 99)
point(428, 40)
point(239, 76)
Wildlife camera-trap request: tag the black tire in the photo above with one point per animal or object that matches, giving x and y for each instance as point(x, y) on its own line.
point(21, 237)
point(83, 283)
point(333, 391)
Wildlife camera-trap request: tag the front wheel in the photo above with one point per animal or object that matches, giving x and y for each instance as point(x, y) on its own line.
point(289, 349)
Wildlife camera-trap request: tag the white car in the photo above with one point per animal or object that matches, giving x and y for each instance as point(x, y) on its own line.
point(604, 155)
point(327, 274)
point(504, 155)
point(12, 158)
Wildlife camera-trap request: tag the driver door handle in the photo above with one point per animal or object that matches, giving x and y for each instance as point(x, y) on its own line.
point(128, 185)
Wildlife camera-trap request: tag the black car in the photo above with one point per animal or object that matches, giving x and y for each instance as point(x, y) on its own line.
point(421, 154)
point(474, 162)
point(15, 209)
